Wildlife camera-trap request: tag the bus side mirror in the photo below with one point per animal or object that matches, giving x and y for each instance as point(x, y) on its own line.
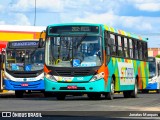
point(40, 45)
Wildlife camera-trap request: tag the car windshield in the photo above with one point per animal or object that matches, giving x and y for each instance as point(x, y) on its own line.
point(25, 60)
point(152, 69)
point(80, 51)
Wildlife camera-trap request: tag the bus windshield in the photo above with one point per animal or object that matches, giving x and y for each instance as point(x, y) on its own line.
point(24, 59)
point(152, 69)
point(74, 51)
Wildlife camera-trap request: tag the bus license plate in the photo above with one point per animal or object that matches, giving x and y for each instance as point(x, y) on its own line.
point(24, 85)
point(72, 87)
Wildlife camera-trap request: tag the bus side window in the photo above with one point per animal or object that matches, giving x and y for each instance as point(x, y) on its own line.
point(130, 48)
point(126, 47)
point(135, 49)
point(113, 44)
point(120, 45)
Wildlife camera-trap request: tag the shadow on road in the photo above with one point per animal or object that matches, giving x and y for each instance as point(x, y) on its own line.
point(40, 96)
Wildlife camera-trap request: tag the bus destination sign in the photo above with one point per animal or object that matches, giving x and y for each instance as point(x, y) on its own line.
point(60, 29)
point(23, 44)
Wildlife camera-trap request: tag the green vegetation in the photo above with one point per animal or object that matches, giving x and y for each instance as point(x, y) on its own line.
point(157, 56)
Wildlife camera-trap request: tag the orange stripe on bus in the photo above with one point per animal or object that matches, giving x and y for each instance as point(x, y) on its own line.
point(140, 37)
point(46, 69)
point(139, 80)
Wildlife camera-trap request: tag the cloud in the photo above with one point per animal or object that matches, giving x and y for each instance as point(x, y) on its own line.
point(149, 7)
point(20, 19)
point(2, 23)
point(1, 7)
point(146, 5)
point(25, 5)
point(67, 5)
point(137, 24)
point(95, 11)
point(140, 23)
point(144, 1)
point(106, 18)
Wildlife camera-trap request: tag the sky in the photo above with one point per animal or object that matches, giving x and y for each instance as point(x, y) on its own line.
point(141, 17)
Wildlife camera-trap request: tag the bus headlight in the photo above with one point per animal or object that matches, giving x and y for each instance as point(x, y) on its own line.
point(50, 77)
point(97, 77)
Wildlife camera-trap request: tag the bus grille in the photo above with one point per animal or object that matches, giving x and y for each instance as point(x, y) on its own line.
point(25, 75)
point(72, 72)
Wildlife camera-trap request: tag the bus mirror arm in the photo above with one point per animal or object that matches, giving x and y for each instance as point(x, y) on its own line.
point(40, 45)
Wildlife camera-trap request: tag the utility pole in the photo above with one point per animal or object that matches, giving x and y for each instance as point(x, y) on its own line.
point(35, 14)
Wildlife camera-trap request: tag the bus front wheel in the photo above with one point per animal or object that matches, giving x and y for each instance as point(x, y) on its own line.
point(158, 90)
point(19, 93)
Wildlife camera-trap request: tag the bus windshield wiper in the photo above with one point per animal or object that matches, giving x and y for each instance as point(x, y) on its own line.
point(83, 37)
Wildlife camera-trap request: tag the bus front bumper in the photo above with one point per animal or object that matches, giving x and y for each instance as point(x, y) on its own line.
point(34, 85)
point(96, 86)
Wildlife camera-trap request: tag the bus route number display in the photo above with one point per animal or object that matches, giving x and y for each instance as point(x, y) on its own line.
point(60, 29)
point(77, 29)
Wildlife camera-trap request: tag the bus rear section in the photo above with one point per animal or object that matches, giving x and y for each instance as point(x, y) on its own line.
point(91, 59)
point(24, 64)
point(154, 76)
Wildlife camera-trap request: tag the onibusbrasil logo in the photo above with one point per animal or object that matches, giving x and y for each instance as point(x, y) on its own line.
point(21, 114)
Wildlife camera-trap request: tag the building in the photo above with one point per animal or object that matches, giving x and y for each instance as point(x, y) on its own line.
point(15, 32)
point(152, 52)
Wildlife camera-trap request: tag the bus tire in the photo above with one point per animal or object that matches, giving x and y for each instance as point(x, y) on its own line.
point(158, 91)
point(60, 96)
point(134, 92)
point(19, 93)
point(110, 95)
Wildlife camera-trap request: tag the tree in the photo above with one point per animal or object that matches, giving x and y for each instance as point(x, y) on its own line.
point(158, 56)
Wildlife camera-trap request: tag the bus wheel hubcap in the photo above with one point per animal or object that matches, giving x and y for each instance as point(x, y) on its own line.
point(112, 88)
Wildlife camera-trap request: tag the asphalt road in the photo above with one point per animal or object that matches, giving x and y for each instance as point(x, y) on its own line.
point(81, 105)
